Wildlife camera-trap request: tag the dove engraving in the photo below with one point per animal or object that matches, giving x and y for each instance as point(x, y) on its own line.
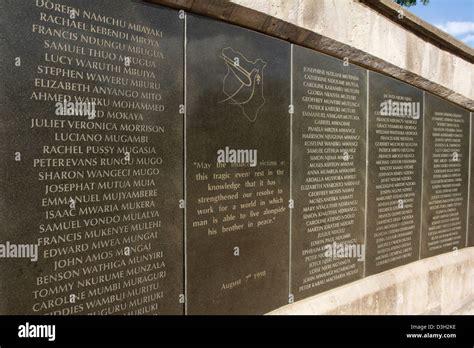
point(243, 82)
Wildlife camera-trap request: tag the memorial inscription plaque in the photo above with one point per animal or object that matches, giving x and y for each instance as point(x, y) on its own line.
point(445, 179)
point(91, 139)
point(329, 126)
point(395, 169)
point(237, 138)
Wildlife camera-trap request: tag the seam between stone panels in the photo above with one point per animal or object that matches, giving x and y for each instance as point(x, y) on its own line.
point(366, 168)
point(422, 174)
point(290, 253)
point(469, 179)
point(185, 167)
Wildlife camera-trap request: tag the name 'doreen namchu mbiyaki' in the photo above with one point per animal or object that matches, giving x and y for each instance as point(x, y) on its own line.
point(400, 109)
point(228, 155)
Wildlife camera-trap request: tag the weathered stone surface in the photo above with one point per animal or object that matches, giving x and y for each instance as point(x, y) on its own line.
point(367, 38)
point(424, 30)
point(440, 284)
point(180, 4)
point(367, 30)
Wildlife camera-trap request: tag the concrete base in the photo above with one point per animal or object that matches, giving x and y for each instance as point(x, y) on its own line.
point(442, 284)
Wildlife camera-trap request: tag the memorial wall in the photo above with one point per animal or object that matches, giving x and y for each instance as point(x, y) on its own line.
point(157, 162)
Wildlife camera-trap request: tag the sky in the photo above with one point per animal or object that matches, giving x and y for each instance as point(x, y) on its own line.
point(456, 17)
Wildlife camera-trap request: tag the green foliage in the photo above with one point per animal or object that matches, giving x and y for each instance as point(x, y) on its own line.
point(409, 3)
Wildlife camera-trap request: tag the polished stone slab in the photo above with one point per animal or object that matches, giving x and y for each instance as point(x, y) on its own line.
point(395, 173)
point(238, 94)
point(329, 170)
point(97, 193)
point(446, 172)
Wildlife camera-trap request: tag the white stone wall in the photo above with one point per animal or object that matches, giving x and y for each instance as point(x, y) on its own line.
point(352, 23)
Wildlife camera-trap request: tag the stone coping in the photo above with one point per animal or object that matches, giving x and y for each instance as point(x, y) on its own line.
point(419, 27)
point(230, 12)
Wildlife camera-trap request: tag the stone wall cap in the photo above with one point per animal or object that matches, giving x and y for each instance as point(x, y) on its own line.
point(419, 27)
